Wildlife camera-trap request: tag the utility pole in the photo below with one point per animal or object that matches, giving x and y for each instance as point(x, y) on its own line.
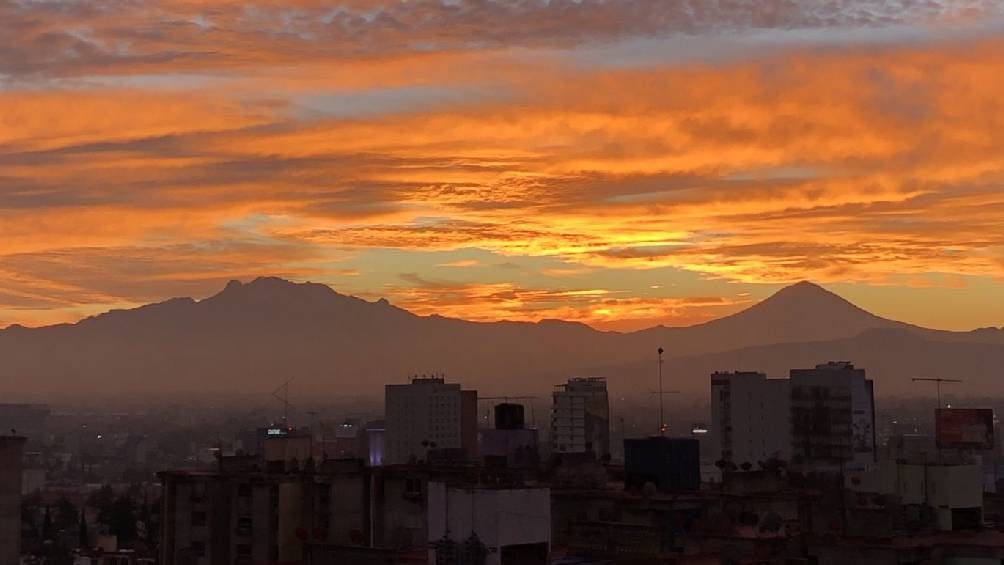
point(937, 382)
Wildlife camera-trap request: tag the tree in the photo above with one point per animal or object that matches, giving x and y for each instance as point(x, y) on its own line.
point(83, 540)
point(66, 514)
point(101, 498)
point(48, 531)
point(120, 518)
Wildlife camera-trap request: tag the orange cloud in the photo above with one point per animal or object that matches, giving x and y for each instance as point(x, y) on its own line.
point(828, 164)
point(599, 308)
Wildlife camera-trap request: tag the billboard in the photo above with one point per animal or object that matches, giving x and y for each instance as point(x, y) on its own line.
point(965, 428)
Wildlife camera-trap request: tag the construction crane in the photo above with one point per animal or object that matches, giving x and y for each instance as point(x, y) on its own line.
point(938, 382)
point(506, 399)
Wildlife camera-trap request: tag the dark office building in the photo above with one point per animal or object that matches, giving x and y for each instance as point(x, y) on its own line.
point(509, 416)
point(832, 417)
point(671, 464)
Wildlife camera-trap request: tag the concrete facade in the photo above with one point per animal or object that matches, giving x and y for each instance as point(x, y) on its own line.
point(242, 518)
point(750, 417)
point(428, 414)
point(513, 524)
point(953, 491)
point(833, 417)
point(580, 418)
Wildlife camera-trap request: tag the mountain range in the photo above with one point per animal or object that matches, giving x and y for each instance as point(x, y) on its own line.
point(251, 336)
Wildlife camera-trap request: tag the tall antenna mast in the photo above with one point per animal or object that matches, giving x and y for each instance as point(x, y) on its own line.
point(662, 393)
point(662, 419)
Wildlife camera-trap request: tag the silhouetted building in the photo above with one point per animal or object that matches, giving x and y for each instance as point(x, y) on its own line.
point(509, 416)
point(428, 414)
point(344, 443)
point(672, 465)
point(750, 417)
point(287, 448)
point(373, 442)
point(339, 511)
point(949, 493)
point(509, 444)
point(11, 455)
point(580, 418)
point(493, 526)
point(229, 517)
point(832, 417)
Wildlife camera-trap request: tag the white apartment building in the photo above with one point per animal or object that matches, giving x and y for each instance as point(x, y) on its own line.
point(427, 413)
point(580, 417)
point(750, 417)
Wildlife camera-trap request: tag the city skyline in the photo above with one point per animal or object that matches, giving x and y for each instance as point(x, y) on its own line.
point(618, 164)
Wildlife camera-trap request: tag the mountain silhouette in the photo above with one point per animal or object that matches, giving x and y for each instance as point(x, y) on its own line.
point(798, 313)
point(250, 336)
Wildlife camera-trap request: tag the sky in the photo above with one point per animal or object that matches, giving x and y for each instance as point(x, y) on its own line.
point(618, 163)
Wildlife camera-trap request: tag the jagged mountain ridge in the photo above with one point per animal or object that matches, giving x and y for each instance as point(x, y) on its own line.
point(250, 335)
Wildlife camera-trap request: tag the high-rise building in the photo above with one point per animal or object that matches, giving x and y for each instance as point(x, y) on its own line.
point(833, 416)
point(11, 455)
point(580, 418)
point(751, 419)
point(427, 414)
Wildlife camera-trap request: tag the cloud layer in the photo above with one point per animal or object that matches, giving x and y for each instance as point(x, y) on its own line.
point(596, 160)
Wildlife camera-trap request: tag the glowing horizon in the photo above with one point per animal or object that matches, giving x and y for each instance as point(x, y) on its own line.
point(621, 164)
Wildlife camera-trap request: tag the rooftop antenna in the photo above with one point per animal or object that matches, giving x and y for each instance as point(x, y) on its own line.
point(937, 381)
point(284, 398)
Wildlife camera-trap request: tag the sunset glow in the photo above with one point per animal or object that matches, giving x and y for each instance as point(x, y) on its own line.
point(505, 160)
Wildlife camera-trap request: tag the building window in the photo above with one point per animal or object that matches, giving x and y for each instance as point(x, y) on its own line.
point(244, 549)
point(198, 519)
point(198, 492)
point(199, 548)
point(413, 487)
